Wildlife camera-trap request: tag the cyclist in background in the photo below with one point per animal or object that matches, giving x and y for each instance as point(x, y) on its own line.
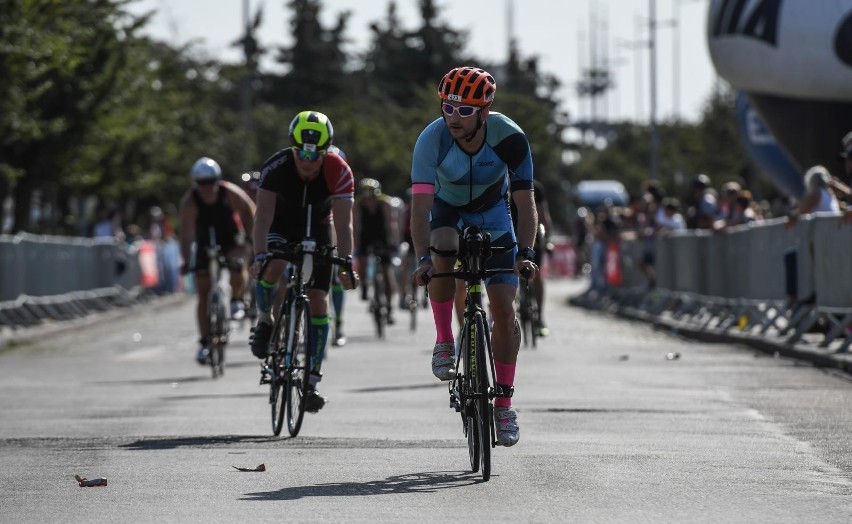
point(464, 164)
point(337, 289)
point(409, 261)
point(376, 234)
point(540, 246)
point(307, 173)
point(213, 202)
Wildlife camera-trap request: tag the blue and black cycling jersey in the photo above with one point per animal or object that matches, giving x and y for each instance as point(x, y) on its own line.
point(471, 189)
point(479, 181)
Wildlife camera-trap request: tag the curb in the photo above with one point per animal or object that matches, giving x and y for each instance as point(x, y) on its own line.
point(774, 346)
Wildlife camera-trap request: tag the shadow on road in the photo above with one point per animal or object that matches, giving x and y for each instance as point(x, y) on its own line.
point(425, 482)
point(210, 396)
point(431, 385)
point(152, 381)
point(152, 444)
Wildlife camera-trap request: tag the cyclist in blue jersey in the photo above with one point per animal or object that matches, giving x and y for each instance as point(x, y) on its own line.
point(464, 164)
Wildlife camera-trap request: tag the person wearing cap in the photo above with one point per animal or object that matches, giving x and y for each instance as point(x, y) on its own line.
point(704, 209)
point(306, 183)
point(212, 203)
point(842, 189)
point(818, 198)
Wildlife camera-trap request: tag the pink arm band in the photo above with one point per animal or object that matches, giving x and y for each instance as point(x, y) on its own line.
point(422, 189)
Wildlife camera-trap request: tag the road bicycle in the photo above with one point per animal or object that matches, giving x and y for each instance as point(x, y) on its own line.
point(218, 316)
point(529, 314)
point(287, 368)
point(471, 391)
point(410, 292)
point(379, 307)
point(411, 305)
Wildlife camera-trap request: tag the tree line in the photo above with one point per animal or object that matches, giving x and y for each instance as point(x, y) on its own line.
point(93, 108)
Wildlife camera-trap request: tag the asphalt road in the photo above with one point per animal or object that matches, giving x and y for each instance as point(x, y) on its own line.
point(611, 431)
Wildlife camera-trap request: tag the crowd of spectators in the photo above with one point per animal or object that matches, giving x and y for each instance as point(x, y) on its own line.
point(656, 213)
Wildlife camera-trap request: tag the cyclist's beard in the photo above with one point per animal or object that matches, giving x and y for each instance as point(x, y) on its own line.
point(468, 137)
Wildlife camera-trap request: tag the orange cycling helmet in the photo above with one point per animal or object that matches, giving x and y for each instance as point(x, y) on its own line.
point(468, 85)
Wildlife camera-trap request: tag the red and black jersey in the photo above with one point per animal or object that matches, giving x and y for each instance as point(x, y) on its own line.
point(279, 175)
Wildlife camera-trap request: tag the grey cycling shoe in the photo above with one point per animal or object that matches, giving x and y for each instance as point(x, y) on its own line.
point(506, 420)
point(444, 360)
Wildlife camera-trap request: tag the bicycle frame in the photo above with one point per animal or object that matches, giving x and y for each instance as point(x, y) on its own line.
point(284, 367)
point(378, 299)
point(218, 316)
point(529, 312)
point(475, 406)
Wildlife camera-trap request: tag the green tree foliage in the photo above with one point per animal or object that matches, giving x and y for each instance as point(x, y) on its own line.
point(91, 107)
point(316, 60)
point(60, 62)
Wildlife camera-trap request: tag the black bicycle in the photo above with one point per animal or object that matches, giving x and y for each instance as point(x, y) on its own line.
point(218, 316)
point(379, 307)
point(471, 391)
point(529, 313)
point(411, 299)
point(288, 367)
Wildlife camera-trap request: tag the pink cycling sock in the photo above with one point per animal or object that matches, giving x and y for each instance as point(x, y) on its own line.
point(505, 377)
point(443, 313)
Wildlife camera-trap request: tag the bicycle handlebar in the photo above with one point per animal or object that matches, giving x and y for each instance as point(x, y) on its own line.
point(474, 250)
point(294, 253)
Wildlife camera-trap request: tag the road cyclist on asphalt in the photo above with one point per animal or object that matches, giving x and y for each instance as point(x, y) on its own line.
point(464, 164)
point(541, 246)
point(214, 204)
point(307, 175)
point(376, 235)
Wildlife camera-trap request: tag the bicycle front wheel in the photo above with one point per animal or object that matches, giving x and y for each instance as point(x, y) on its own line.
point(298, 372)
point(467, 391)
point(277, 371)
point(481, 385)
point(216, 330)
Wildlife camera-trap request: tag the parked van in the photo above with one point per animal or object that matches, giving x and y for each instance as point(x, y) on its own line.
point(595, 194)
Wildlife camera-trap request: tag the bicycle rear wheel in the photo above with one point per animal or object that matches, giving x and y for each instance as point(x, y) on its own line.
point(482, 387)
point(277, 368)
point(378, 305)
point(299, 367)
point(412, 308)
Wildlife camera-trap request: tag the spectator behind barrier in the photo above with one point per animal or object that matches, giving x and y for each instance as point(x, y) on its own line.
point(703, 207)
point(817, 198)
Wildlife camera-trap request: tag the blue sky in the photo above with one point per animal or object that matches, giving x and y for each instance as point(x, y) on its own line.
point(558, 31)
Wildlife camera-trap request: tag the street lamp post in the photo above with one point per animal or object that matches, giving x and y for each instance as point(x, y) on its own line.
point(653, 115)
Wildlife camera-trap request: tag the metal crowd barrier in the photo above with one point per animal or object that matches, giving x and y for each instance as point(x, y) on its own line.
point(58, 278)
point(737, 279)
